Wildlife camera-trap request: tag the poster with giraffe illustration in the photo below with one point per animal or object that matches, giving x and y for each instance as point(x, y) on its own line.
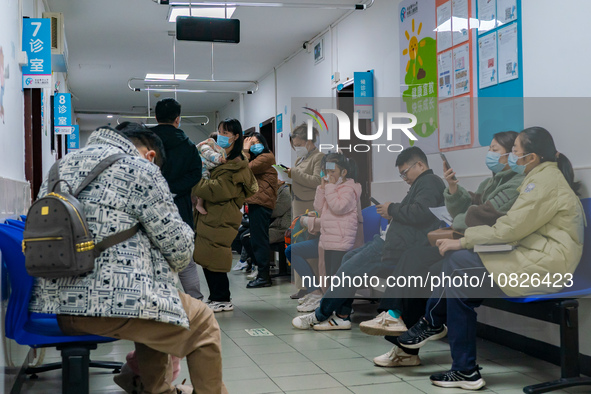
point(418, 64)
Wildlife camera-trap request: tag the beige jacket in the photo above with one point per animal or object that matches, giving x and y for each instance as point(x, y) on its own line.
point(306, 176)
point(545, 225)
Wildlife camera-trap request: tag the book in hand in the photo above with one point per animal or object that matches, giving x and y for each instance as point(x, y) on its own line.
point(493, 248)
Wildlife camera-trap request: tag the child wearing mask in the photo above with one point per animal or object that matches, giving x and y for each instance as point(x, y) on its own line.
point(338, 203)
point(212, 155)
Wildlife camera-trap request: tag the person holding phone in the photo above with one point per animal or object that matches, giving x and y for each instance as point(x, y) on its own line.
point(493, 198)
point(410, 222)
point(546, 225)
point(305, 175)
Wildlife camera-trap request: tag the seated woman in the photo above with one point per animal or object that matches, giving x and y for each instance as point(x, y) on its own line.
point(493, 198)
point(305, 176)
point(545, 225)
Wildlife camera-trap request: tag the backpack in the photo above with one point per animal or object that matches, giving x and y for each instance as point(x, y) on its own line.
point(57, 242)
point(297, 232)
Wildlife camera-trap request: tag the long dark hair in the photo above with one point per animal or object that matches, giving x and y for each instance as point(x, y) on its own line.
point(506, 139)
point(234, 127)
point(343, 162)
point(539, 141)
point(261, 138)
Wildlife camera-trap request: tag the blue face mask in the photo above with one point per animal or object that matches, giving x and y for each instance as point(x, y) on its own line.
point(492, 161)
point(223, 141)
point(520, 169)
point(257, 148)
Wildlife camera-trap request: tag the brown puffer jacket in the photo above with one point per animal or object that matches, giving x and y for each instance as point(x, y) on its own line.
point(261, 167)
point(223, 196)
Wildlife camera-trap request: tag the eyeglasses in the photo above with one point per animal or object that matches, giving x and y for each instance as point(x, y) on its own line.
point(404, 175)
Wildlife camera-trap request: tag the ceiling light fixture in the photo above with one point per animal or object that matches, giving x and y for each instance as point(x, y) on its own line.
point(221, 5)
point(209, 12)
point(167, 76)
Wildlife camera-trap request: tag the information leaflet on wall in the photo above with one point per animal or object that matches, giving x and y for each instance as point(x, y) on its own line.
point(487, 53)
point(461, 64)
point(459, 21)
point(444, 27)
point(62, 113)
point(445, 70)
point(73, 139)
point(446, 124)
point(506, 11)
point(508, 53)
point(279, 123)
point(487, 15)
point(37, 45)
point(462, 121)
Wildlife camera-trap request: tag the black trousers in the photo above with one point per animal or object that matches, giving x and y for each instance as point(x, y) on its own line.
point(219, 285)
point(332, 261)
point(260, 219)
point(411, 301)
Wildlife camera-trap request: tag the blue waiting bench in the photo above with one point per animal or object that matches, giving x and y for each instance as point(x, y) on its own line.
point(559, 308)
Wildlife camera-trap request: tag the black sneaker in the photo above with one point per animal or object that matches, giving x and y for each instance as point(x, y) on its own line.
point(467, 380)
point(420, 333)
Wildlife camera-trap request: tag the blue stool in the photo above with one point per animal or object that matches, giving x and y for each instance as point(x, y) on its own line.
point(42, 330)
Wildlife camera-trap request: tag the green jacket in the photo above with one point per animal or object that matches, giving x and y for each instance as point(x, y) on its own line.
point(493, 198)
point(546, 225)
point(223, 196)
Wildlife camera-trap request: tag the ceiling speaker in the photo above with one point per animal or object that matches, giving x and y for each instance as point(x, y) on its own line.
point(193, 28)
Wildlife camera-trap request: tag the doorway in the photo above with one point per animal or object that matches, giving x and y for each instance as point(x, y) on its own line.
point(267, 129)
point(362, 159)
point(33, 140)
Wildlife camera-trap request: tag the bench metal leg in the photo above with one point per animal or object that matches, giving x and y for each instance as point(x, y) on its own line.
point(557, 385)
point(568, 319)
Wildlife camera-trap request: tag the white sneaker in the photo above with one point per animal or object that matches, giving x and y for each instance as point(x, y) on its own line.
point(384, 324)
point(254, 274)
point(333, 323)
point(311, 305)
point(304, 322)
point(304, 299)
point(220, 306)
point(240, 265)
point(397, 358)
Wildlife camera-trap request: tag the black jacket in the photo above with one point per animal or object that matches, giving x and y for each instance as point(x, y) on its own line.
point(182, 169)
point(411, 218)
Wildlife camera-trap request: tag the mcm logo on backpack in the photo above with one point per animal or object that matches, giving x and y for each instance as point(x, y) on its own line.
point(57, 242)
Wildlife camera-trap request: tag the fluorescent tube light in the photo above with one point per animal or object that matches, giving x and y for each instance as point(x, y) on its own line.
point(215, 12)
point(167, 76)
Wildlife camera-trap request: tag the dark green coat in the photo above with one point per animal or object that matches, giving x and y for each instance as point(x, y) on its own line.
point(223, 196)
point(411, 218)
point(493, 198)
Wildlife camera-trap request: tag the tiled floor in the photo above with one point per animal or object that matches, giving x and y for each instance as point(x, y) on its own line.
point(337, 362)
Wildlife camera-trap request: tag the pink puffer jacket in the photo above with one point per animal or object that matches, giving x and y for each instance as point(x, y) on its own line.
point(338, 207)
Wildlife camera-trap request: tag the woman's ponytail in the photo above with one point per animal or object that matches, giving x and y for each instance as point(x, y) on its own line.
point(565, 166)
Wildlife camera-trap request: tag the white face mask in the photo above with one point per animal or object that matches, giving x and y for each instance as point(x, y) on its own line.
point(301, 151)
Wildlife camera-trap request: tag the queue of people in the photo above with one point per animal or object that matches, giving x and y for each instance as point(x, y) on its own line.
point(530, 202)
point(188, 200)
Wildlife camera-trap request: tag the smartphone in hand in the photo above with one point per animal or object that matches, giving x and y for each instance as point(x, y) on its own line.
point(374, 201)
point(446, 165)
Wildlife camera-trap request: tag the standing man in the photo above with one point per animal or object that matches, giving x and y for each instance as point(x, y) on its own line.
point(182, 171)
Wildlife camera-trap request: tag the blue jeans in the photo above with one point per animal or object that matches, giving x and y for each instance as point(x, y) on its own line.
point(298, 254)
point(455, 306)
point(364, 260)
